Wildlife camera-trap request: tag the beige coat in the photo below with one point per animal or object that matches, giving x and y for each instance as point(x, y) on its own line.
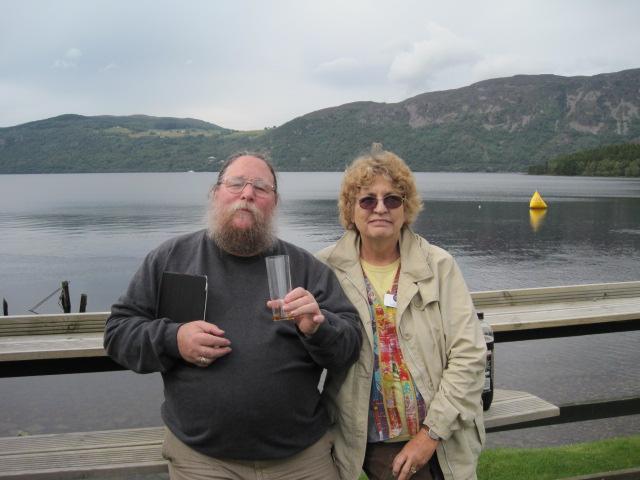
point(442, 344)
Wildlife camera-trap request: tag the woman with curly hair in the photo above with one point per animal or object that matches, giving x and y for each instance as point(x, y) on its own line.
point(411, 406)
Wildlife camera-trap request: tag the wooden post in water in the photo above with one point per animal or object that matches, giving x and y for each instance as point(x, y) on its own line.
point(5, 307)
point(66, 301)
point(83, 303)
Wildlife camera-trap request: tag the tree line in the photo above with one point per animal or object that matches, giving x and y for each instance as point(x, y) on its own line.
point(610, 161)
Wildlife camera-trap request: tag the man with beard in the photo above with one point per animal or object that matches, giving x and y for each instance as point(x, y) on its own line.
point(241, 391)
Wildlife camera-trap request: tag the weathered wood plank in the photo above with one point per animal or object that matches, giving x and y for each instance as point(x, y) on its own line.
point(511, 406)
point(591, 292)
point(68, 465)
point(83, 454)
point(561, 314)
point(631, 303)
point(40, 347)
point(52, 324)
point(32, 444)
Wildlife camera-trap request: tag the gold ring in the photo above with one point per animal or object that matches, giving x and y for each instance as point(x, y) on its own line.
point(413, 469)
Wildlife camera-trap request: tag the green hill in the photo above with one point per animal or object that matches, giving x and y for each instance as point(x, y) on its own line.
point(73, 144)
point(612, 161)
point(504, 124)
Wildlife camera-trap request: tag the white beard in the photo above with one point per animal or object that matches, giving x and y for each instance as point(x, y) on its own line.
point(259, 237)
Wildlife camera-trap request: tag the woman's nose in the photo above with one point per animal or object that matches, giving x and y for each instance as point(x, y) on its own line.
point(380, 206)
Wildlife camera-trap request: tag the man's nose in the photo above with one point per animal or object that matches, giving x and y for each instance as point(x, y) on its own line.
point(248, 192)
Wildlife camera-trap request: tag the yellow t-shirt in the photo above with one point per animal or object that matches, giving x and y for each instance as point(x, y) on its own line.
point(381, 279)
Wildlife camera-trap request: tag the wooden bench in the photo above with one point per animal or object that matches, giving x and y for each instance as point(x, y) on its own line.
point(137, 450)
point(511, 407)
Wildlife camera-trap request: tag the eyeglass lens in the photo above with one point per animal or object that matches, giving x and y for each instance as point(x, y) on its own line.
point(391, 202)
point(237, 184)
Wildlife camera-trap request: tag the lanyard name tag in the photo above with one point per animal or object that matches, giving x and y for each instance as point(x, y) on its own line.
point(391, 300)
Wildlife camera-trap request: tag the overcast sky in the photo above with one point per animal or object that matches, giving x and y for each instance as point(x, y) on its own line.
point(252, 64)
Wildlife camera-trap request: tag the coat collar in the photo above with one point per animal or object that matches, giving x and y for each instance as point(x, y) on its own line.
point(413, 252)
point(416, 285)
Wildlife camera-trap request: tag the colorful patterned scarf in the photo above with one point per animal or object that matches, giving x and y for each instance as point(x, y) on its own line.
point(387, 361)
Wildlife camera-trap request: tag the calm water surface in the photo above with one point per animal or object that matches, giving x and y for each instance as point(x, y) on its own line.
point(94, 230)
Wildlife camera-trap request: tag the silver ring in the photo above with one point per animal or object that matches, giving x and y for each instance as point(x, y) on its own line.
point(203, 360)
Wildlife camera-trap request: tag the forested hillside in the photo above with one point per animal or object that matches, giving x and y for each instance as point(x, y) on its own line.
point(505, 124)
point(612, 161)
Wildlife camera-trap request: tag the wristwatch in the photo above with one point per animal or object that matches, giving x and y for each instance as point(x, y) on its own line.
point(432, 434)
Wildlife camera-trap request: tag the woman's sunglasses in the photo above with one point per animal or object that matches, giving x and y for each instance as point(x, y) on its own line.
point(391, 202)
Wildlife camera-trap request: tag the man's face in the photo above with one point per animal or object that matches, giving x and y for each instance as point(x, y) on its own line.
point(241, 223)
point(243, 217)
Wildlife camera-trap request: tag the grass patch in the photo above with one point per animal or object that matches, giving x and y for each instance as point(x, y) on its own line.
point(251, 134)
point(558, 462)
point(167, 133)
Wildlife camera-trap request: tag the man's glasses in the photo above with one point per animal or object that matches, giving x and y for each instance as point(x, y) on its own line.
point(390, 201)
point(237, 184)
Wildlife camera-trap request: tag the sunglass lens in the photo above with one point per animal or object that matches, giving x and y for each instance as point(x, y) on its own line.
point(392, 201)
point(368, 203)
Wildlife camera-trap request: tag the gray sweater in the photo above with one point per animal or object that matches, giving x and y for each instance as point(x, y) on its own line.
point(261, 401)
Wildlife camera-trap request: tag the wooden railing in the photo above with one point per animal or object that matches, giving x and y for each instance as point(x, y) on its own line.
point(53, 344)
point(555, 312)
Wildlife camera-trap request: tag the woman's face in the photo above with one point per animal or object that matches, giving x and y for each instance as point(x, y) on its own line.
point(381, 223)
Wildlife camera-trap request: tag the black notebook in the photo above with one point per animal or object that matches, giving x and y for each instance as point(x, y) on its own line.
point(182, 297)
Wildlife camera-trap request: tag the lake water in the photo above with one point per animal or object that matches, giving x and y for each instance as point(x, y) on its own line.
point(94, 229)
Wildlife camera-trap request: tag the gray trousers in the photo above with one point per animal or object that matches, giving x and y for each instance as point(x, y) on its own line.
point(313, 463)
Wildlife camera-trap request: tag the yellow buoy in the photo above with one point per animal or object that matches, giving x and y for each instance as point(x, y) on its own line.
point(536, 201)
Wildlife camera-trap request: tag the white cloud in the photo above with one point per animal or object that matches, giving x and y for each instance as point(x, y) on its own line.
point(497, 66)
point(347, 71)
point(72, 57)
point(338, 65)
point(73, 54)
point(111, 66)
point(430, 58)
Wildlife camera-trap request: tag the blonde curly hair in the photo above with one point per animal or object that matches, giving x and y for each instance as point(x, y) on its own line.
point(363, 171)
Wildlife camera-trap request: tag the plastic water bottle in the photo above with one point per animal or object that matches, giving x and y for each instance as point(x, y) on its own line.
point(487, 391)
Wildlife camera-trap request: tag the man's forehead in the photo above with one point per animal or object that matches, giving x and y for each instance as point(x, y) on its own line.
point(250, 167)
